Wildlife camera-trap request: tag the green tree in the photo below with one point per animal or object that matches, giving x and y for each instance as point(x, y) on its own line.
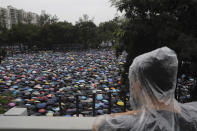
point(152, 24)
point(106, 30)
point(56, 33)
point(5, 99)
point(86, 32)
point(23, 34)
point(3, 32)
point(46, 19)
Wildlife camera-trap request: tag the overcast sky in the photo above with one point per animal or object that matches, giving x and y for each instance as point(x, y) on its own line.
point(69, 10)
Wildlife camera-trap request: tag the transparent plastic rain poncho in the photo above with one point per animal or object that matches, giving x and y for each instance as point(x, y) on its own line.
point(152, 79)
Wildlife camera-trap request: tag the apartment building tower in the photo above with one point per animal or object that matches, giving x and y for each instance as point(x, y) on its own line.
point(11, 16)
point(4, 20)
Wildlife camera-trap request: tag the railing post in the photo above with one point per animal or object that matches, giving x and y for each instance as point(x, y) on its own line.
point(60, 106)
point(179, 92)
point(77, 105)
point(29, 96)
point(110, 105)
point(125, 102)
point(93, 105)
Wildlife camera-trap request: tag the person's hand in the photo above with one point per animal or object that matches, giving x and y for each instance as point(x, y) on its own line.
point(101, 119)
point(98, 122)
point(124, 113)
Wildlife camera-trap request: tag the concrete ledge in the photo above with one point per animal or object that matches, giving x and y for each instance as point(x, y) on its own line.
point(16, 111)
point(40, 123)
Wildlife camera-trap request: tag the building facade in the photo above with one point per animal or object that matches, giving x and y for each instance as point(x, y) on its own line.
point(11, 16)
point(4, 21)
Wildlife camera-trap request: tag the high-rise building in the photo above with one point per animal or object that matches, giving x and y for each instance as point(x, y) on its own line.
point(11, 16)
point(21, 16)
point(13, 13)
point(4, 21)
point(32, 18)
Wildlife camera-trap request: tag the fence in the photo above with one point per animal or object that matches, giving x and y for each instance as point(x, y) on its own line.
point(182, 91)
point(185, 90)
point(93, 96)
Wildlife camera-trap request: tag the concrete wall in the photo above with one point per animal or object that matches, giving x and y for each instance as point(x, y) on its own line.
point(16, 111)
point(40, 123)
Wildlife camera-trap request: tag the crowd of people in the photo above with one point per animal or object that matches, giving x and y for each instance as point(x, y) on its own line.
point(153, 80)
point(38, 80)
point(186, 89)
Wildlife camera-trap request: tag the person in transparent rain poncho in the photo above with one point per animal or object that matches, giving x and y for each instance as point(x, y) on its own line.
point(152, 79)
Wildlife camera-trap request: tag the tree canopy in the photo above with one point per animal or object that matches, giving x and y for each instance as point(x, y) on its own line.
point(50, 33)
point(156, 23)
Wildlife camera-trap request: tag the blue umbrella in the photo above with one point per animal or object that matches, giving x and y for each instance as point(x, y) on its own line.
point(28, 105)
point(54, 79)
point(81, 81)
point(105, 86)
point(15, 86)
point(83, 97)
point(56, 109)
point(46, 86)
point(102, 72)
point(100, 112)
point(101, 104)
point(26, 88)
point(14, 93)
point(41, 105)
point(99, 97)
point(114, 90)
point(29, 71)
point(30, 89)
point(97, 106)
point(105, 101)
point(68, 116)
point(110, 80)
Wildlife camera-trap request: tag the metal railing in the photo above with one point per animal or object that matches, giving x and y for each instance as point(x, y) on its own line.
point(93, 96)
point(184, 90)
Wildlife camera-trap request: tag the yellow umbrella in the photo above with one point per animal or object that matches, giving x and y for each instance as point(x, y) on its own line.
point(47, 83)
point(76, 86)
point(112, 88)
point(120, 103)
point(89, 69)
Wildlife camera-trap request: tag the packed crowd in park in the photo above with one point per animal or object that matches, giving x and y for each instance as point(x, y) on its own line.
point(153, 81)
point(47, 82)
point(37, 80)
